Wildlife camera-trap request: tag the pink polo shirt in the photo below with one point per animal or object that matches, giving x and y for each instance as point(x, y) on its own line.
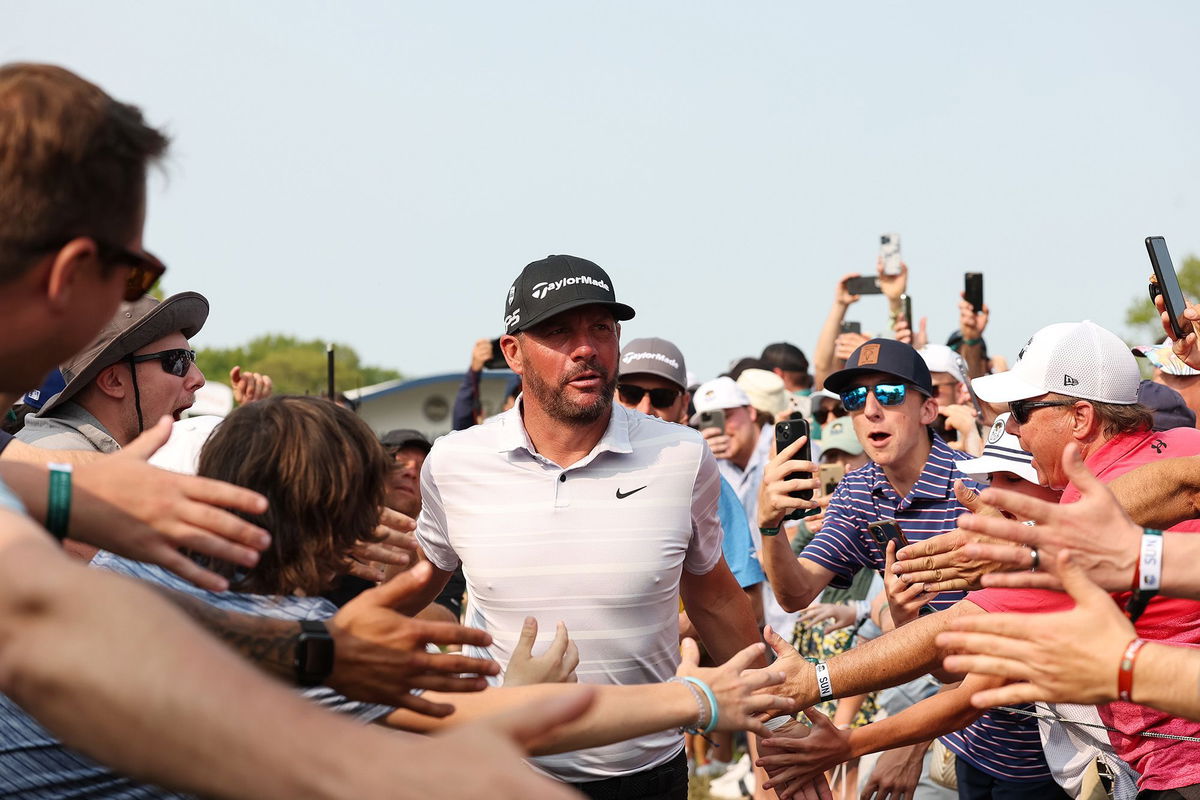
point(1163, 763)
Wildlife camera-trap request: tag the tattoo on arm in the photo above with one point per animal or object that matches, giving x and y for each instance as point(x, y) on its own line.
point(268, 643)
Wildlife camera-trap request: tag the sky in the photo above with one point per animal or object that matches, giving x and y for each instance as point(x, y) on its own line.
point(378, 173)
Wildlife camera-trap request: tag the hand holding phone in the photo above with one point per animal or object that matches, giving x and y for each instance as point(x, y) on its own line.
point(973, 290)
point(868, 284)
point(887, 530)
point(1168, 285)
point(787, 432)
point(851, 327)
point(889, 253)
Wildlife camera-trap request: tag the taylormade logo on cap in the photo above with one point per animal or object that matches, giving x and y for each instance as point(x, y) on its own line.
point(542, 289)
point(629, 358)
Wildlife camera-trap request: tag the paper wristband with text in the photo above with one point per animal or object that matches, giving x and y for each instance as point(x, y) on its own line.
point(1147, 576)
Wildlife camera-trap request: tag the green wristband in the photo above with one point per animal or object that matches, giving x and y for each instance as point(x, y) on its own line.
point(58, 506)
point(770, 531)
point(972, 342)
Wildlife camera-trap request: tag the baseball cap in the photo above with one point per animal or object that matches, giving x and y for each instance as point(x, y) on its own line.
point(940, 358)
point(1163, 357)
point(1168, 406)
point(765, 390)
point(653, 356)
point(52, 385)
point(1001, 453)
point(887, 356)
point(839, 435)
point(785, 356)
point(1078, 359)
point(402, 437)
point(720, 392)
point(557, 284)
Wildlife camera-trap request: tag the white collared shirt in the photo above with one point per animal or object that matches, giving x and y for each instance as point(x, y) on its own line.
point(598, 545)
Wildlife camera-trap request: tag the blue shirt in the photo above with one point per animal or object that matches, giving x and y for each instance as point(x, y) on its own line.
point(738, 544)
point(1004, 745)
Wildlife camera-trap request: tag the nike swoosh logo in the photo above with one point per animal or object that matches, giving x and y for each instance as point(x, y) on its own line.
point(622, 495)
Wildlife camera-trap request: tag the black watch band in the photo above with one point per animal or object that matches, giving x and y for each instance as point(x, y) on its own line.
point(314, 653)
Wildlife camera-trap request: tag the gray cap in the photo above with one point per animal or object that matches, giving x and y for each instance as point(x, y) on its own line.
point(654, 356)
point(404, 437)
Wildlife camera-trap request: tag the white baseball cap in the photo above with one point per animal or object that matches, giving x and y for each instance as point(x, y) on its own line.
point(1001, 453)
point(720, 392)
point(1077, 359)
point(940, 358)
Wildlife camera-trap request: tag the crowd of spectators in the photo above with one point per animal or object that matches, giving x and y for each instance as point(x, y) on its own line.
point(958, 578)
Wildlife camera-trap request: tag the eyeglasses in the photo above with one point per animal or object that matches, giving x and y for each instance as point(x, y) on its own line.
point(144, 269)
point(659, 398)
point(1021, 409)
point(888, 394)
point(823, 415)
point(175, 362)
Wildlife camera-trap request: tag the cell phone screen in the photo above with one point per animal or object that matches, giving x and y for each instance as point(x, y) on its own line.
point(1168, 282)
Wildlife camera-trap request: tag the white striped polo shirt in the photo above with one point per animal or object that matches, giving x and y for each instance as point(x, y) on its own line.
point(598, 545)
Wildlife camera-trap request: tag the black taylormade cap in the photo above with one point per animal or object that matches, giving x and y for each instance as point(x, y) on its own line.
point(887, 356)
point(556, 284)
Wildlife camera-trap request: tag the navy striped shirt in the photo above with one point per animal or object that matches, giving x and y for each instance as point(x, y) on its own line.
point(1004, 745)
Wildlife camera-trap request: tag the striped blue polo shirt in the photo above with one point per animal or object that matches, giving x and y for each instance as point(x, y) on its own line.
point(1004, 745)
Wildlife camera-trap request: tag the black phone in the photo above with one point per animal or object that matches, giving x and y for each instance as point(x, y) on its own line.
point(886, 530)
point(711, 419)
point(1168, 283)
point(973, 290)
point(865, 285)
point(787, 432)
point(852, 327)
point(497, 360)
point(907, 300)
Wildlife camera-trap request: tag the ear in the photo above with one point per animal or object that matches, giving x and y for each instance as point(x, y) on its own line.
point(683, 412)
point(510, 346)
point(929, 411)
point(113, 381)
point(1085, 423)
point(66, 267)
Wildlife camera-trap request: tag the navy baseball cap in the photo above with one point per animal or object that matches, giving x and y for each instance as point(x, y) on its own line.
point(887, 356)
point(557, 284)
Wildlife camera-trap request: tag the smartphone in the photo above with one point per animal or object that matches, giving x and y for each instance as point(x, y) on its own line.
point(973, 290)
point(712, 419)
point(1168, 283)
point(889, 253)
point(497, 360)
point(831, 476)
point(865, 285)
point(884, 531)
point(907, 300)
point(787, 432)
point(852, 327)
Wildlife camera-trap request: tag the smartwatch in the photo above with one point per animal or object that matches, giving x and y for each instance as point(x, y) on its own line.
point(314, 653)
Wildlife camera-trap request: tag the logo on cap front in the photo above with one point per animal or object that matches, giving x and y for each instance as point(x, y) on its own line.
point(540, 290)
point(629, 358)
point(1069, 381)
point(512, 292)
point(868, 355)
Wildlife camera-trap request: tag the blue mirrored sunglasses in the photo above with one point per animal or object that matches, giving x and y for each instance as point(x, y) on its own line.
point(888, 394)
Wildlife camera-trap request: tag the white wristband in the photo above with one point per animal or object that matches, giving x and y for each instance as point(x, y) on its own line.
point(775, 723)
point(1150, 574)
point(824, 687)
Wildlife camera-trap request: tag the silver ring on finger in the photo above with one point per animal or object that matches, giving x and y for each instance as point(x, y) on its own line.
point(1036, 559)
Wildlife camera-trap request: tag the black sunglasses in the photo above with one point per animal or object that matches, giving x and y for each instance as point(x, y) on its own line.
point(175, 362)
point(659, 398)
point(1021, 409)
point(144, 269)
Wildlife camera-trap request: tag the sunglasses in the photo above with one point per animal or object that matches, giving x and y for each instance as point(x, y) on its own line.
point(144, 269)
point(823, 415)
point(888, 394)
point(1022, 409)
point(659, 398)
point(175, 362)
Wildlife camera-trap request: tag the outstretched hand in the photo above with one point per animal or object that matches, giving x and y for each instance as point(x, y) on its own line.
point(556, 665)
point(123, 504)
point(1065, 657)
point(943, 563)
point(799, 755)
point(379, 653)
point(741, 692)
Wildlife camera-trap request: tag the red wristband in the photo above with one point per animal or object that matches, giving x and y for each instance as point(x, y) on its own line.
point(1125, 671)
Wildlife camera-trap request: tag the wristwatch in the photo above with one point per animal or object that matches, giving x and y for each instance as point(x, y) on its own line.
point(314, 653)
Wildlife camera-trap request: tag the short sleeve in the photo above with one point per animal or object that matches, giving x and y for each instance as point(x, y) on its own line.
point(704, 549)
point(838, 546)
point(432, 533)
